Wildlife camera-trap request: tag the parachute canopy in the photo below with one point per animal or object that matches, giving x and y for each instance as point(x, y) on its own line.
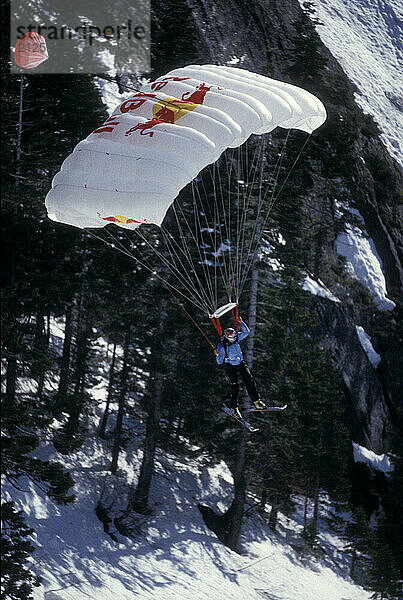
point(131, 168)
point(30, 50)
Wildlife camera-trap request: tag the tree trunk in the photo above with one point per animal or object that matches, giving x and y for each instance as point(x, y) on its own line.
point(305, 512)
point(12, 363)
point(353, 564)
point(273, 517)
point(122, 396)
point(65, 362)
point(11, 379)
point(263, 500)
point(139, 502)
point(76, 403)
point(232, 519)
point(316, 509)
point(41, 346)
point(104, 420)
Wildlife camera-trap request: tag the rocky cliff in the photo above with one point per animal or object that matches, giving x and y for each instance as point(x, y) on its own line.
point(349, 165)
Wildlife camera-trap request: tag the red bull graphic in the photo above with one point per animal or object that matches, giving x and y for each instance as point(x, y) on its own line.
point(135, 102)
point(143, 128)
point(121, 219)
point(161, 83)
point(165, 110)
point(109, 125)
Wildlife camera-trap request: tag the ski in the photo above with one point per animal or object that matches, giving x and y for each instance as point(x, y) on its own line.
point(241, 420)
point(267, 409)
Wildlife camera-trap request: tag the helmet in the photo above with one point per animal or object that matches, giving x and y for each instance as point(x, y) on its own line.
point(230, 334)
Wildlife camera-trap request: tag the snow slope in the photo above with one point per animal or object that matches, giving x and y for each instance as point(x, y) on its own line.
point(172, 555)
point(366, 37)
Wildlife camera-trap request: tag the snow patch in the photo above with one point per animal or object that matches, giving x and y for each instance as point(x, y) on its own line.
point(362, 259)
point(110, 92)
point(379, 462)
point(365, 37)
point(365, 341)
point(364, 264)
point(318, 288)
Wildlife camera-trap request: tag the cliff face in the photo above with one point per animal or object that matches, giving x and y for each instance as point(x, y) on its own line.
point(369, 414)
point(348, 163)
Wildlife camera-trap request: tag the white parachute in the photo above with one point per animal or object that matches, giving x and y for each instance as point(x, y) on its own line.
point(131, 168)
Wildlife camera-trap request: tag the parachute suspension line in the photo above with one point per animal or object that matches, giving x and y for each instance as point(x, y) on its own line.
point(186, 253)
point(198, 212)
point(187, 281)
point(262, 222)
point(211, 227)
point(224, 216)
point(247, 195)
point(147, 265)
point(115, 246)
point(274, 196)
point(292, 166)
point(178, 302)
point(235, 316)
point(195, 236)
point(194, 296)
point(257, 227)
point(217, 325)
point(224, 241)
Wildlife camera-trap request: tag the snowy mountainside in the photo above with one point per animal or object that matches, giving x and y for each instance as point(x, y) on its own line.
point(366, 37)
point(172, 554)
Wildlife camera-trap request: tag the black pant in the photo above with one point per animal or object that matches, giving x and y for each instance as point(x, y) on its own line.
point(233, 371)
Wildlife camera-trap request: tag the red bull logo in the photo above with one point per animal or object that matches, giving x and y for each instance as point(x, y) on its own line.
point(109, 125)
point(169, 110)
point(161, 83)
point(166, 110)
point(121, 219)
point(143, 128)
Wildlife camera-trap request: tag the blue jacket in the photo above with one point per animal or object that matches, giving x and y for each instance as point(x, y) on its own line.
point(234, 352)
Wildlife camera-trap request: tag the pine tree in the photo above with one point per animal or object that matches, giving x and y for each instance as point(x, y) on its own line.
point(357, 531)
point(384, 578)
point(307, 60)
point(17, 581)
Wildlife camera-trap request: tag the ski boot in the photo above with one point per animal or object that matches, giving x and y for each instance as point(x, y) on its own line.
point(233, 412)
point(259, 404)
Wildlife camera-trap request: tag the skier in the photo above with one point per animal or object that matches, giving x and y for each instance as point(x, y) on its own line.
point(229, 352)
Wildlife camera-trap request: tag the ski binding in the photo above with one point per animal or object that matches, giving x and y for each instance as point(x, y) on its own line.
point(267, 409)
point(241, 420)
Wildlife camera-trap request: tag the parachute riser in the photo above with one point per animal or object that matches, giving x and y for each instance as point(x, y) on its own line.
point(215, 317)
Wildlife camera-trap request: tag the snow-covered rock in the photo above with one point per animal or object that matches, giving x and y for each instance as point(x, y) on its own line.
point(318, 288)
point(379, 462)
point(365, 341)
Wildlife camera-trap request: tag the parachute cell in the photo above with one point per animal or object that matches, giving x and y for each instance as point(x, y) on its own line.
point(131, 168)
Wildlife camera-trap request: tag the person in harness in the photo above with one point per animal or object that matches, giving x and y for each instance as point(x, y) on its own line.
point(229, 353)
